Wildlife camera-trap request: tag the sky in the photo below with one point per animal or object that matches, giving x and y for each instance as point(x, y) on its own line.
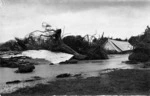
point(116, 18)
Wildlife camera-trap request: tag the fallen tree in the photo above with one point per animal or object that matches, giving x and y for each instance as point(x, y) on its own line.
point(54, 43)
point(93, 50)
point(51, 39)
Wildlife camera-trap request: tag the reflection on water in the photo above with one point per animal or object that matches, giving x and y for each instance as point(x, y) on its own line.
point(46, 70)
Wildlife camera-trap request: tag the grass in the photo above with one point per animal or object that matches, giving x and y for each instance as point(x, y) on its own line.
point(127, 82)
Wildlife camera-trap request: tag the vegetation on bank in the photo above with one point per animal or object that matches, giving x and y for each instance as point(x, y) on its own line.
point(141, 45)
point(80, 47)
point(52, 39)
point(123, 81)
point(10, 45)
point(91, 47)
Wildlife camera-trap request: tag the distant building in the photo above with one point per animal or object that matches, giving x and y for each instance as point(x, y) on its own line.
point(117, 46)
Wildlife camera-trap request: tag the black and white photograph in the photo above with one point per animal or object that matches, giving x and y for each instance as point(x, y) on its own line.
point(74, 47)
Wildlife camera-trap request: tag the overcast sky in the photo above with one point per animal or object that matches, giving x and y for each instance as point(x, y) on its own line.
point(116, 18)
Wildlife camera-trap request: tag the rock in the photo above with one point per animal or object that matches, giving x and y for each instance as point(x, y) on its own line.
point(141, 57)
point(72, 61)
point(63, 75)
point(37, 77)
point(25, 68)
point(68, 75)
point(29, 80)
point(34, 78)
point(13, 82)
point(51, 64)
point(130, 62)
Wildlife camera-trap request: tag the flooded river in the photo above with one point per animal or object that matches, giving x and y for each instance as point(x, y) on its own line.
point(51, 71)
point(46, 70)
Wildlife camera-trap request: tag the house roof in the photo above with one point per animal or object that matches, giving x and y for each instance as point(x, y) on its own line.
point(119, 46)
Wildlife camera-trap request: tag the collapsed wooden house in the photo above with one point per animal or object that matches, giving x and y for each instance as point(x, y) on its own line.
point(117, 46)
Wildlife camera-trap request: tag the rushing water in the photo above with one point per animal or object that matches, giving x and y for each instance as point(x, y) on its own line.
point(46, 70)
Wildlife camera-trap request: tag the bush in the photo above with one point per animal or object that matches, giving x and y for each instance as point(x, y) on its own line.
point(96, 52)
point(146, 65)
point(25, 68)
point(10, 63)
point(10, 46)
point(141, 45)
point(141, 57)
point(77, 43)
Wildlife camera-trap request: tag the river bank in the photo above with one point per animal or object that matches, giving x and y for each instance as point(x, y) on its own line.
point(122, 81)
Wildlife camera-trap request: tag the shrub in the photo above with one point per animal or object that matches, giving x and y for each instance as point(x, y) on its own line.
point(96, 52)
point(25, 68)
point(9, 46)
point(141, 57)
point(146, 65)
point(77, 43)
